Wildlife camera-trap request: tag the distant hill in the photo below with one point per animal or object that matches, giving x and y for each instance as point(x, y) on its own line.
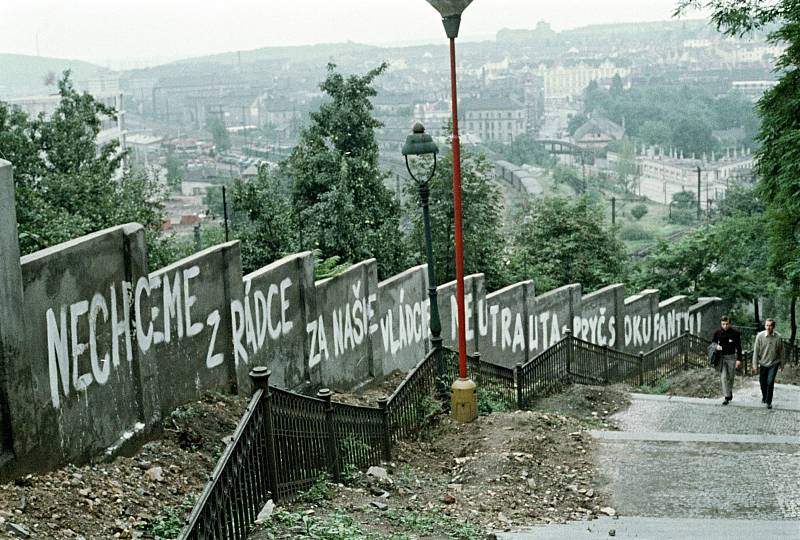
point(301, 53)
point(22, 75)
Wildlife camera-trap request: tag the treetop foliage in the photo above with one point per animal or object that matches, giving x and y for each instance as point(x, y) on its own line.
point(65, 186)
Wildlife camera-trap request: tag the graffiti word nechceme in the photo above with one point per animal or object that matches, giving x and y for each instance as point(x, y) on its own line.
point(73, 330)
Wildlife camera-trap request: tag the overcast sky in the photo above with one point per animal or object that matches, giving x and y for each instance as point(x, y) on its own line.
point(107, 32)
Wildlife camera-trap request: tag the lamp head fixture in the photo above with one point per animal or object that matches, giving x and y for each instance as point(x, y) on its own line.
point(451, 11)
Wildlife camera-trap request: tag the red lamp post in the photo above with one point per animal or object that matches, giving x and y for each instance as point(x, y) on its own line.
point(464, 402)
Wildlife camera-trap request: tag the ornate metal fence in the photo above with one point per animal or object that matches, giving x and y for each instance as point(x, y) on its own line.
point(286, 441)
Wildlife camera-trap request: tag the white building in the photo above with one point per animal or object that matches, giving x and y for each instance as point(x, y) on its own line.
point(661, 176)
point(562, 84)
point(110, 129)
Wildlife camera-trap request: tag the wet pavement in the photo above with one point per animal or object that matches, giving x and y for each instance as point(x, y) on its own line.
point(691, 468)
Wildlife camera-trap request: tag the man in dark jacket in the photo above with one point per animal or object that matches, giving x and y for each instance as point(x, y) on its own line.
point(729, 345)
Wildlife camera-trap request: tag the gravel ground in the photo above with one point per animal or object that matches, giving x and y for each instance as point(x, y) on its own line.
point(144, 496)
point(504, 470)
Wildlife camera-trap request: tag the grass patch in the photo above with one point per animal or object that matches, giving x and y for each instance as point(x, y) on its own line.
point(430, 522)
point(334, 526)
point(490, 401)
point(169, 522)
point(661, 386)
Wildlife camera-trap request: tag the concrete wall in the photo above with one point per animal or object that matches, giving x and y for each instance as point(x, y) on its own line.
point(601, 318)
point(672, 319)
point(94, 349)
point(269, 324)
point(640, 311)
point(704, 316)
point(504, 325)
point(343, 334)
point(11, 322)
point(550, 315)
point(185, 327)
point(80, 373)
point(404, 315)
point(474, 299)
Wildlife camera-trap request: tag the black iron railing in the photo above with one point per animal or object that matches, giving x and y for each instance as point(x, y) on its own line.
point(285, 441)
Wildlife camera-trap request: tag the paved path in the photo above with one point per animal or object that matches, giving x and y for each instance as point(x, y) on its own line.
point(690, 468)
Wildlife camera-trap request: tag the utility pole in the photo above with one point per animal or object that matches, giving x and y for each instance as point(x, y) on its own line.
point(613, 211)
point(698, 193)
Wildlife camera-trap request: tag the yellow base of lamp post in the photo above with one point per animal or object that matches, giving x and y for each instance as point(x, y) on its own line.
point(464, 401)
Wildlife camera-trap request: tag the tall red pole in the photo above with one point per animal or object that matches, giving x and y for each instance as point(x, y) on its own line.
point(462, 317)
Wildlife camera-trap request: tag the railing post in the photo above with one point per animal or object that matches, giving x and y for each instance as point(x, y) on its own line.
point(518, 384)
point(641, 368)
point(331, 448)
point(387, 433)
point(685, 351)
point(570, 351)
point(260, 377)
point(476, 377)
point(605, 364)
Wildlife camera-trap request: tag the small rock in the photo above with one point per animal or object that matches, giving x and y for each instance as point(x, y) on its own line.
point(155, 474)
point(227, 440)
point(377, 472)
point(607, 510)
point(379, 505)
point(18, 530)
point(448, 499)
point(378, 492)
point(531, 483)
point(265, 512)
point(590, 493)
point(612, 532)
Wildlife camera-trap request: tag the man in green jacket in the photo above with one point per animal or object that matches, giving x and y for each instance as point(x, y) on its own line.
point(768, 359)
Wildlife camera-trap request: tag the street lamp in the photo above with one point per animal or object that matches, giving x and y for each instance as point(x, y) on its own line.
point(420, 143)
point(464, 403)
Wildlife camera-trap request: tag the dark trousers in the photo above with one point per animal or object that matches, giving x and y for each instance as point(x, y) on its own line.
point(766, 376)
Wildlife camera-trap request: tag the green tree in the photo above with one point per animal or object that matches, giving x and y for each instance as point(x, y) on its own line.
point(219, 133)
point(481, 218)
point(262, 219)
point(576, 121)
point(639, 211)
point(627, 169)
point(683, 208)
point(524, 150)
point(727, 259)
point(561, 241)
point(174, 174)
point(777, 158)
point(338, 195)
point(66, 187)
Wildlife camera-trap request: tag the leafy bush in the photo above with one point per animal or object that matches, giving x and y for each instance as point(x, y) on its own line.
point(490, 401)
point(639, 211)
point(634, 232)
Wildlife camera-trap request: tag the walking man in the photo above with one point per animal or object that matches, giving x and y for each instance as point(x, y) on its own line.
point(768, 358)
point(729, 345)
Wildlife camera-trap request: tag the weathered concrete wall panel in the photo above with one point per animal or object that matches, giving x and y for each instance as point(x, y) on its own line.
point(601, 319)
point(269, 323)
point(341, 336)
point(403, 312)
point(79, 351)
point(672, 319)
point(640, 312)
point(184, 324)
point(11, 322)
point(550, 315)
point(474, 295)
point(504, 325)
point(704, 316)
